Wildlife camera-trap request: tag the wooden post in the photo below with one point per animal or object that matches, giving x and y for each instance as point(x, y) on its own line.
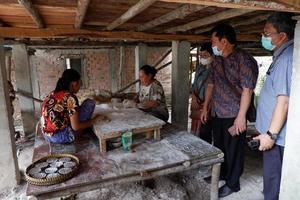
point(24, 83)
point(9, 169)
point(214, 187)
point(180, 83)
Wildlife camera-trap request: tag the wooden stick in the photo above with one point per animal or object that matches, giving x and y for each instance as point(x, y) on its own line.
point(80, 13)
point(28, 95)
point(31, 10)
point(133, 11)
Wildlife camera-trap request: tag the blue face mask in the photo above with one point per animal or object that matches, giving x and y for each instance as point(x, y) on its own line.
point(266, 42)
point(216, 51)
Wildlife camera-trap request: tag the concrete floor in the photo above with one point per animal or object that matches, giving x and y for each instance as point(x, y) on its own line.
point(183, 186)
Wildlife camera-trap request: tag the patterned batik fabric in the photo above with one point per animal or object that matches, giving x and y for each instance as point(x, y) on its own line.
point(57, 108)
point(229, 76)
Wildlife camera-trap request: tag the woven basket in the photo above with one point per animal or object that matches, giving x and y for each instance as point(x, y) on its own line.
point(55, 180)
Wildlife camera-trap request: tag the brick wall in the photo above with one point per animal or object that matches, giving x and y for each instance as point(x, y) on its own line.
point(49, 65)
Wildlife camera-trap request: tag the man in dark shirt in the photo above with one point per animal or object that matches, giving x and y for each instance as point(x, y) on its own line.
point(231, 83)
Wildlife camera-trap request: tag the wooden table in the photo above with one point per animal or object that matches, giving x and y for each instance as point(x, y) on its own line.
point(122, 120)
point(176, 152)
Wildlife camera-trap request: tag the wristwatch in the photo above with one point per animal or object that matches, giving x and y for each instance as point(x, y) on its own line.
point(273, 136)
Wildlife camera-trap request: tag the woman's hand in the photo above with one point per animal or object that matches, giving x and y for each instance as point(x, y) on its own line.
point(204, 115)
point(194, 104)
point(98, 117)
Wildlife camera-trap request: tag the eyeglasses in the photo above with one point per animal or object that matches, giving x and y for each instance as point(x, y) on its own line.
point(268, 34)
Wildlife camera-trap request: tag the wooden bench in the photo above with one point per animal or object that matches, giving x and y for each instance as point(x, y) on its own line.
point(176, 152)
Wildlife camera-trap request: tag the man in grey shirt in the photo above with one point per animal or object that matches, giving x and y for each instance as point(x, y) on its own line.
point(273, 102)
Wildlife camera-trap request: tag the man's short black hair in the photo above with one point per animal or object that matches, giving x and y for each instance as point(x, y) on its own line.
point(225, 31)
point(207, 47)
point(283, 22)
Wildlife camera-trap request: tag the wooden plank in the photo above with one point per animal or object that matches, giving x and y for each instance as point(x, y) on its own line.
point(180, 12)
point(133, 11)
point(32, 12)
point(9, 32)
point(250, 21)
point(209, 20)
point(241, 4)
point(176, 152)
point(80, 13)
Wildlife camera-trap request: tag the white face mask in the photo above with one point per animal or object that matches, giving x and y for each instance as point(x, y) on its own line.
point(216, 51)
point(205, 61)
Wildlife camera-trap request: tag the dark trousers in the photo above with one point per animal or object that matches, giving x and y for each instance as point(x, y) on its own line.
point(205, 132)
point(233, 149)
point(272, 172)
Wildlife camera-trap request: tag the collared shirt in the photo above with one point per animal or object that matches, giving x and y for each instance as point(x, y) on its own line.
point(229, 76)
point(277, 83)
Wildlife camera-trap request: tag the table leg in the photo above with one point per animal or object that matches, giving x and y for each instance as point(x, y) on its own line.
point(214, 187)
point(102, 145)
point(149, 135)
point(157, 134)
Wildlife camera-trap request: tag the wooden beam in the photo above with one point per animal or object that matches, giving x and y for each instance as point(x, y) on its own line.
point(180, 12)
point(241, 4)
point(133, 11)
point(209, 20)
point(9, 32)
point(32, 11)
point(81, 11)
point(294, 3)
point(249, 21)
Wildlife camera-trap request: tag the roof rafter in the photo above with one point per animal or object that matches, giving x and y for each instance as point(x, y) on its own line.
point(80, 13)
point(250, 21)
point(180, 12)
point(241, 4)
point(209, 20)
point(130, 13)
point(32, 11)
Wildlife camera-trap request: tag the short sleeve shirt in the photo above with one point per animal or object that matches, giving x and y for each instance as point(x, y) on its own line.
point(278, 82)
point(57, 108)
point(229, 76)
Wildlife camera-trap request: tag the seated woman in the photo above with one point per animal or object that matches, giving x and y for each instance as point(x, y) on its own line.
point(151, 97)
point(62, 117)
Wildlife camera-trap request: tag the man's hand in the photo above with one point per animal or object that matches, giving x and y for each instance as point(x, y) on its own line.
point(266, 142)
point(240, 124)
